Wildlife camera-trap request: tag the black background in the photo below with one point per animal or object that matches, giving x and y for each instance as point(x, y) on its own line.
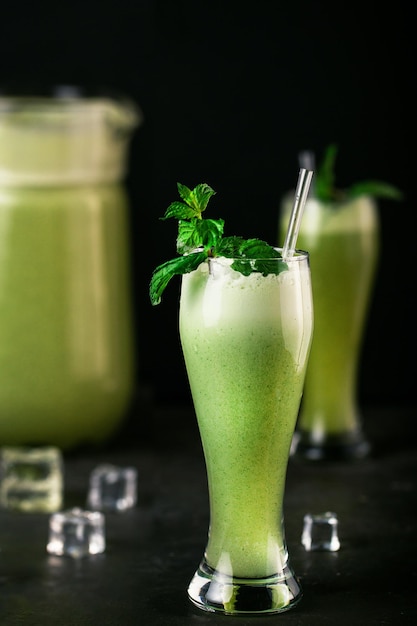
point(230, 93)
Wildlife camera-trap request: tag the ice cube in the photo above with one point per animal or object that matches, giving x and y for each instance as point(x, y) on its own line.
point(320, 532)
point(77, 533)
point(31, 478)
point(112, 488)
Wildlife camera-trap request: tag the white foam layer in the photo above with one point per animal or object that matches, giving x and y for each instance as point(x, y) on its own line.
point(224, 298)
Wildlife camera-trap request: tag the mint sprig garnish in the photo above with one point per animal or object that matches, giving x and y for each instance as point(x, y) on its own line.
point(326, 190)
point(199, 238)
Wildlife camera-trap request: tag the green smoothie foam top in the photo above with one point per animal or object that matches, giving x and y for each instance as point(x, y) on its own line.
point(204, 237)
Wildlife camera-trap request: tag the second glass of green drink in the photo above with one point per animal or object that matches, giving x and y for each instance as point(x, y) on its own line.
point(343, 241)
point(340, 230)
point(246, 337)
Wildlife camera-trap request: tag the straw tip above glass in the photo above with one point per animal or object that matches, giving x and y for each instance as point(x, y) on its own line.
point(300, 197)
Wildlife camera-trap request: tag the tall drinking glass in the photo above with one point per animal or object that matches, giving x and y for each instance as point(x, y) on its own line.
point(343, 242)
point(246, 341)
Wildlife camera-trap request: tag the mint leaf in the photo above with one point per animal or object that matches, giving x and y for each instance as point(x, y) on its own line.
point(324, 179)
point(179, 211)
point(163, 273)
point(202, 194)
point(375, 188)
point(196, 198)
point(195, 202)
point(232, 247)
point(268, 266)
point(256, 257)
point(229, 247)
point(198, 233)
point(327, 192)
point(256, 248)
point(200, 238)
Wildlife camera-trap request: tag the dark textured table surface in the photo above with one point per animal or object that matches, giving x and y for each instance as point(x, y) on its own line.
point(153, 549)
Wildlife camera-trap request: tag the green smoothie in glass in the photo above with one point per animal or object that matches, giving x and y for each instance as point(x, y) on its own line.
point(245, 341)
point(246, 323)
point(340, 229)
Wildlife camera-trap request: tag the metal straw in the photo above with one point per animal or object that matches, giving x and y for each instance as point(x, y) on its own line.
point(301, 192)
point(307, 160)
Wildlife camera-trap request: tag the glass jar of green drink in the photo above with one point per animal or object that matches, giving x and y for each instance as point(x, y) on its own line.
point(66, 335)
point(340, 230)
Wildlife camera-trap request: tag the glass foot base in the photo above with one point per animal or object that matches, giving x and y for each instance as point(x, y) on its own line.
point(212, 591)
point(346, 447)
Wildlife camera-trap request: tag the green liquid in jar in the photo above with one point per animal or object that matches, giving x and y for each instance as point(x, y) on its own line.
point(66, 348)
